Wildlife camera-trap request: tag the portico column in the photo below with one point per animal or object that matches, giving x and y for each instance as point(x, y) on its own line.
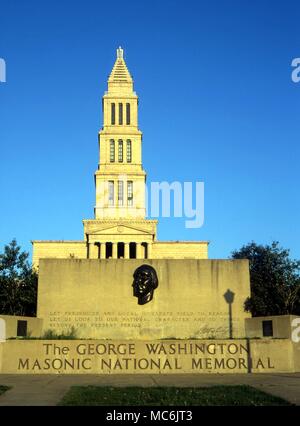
point(114, 250)
point(143, 250)
point(149, 247)
point(139, 251)
point(126, 251)
point(93, 251)
point(102, 251)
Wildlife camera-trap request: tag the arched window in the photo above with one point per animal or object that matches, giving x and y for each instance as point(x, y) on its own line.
point(120, 113)
point(113, 113)
point(111, 192)
point(127, 114)
point(128, 151)
point(130, 193)
point(120, 151)
point(112, 151)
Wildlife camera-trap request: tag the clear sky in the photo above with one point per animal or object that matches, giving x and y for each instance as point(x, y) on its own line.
point(217, 104)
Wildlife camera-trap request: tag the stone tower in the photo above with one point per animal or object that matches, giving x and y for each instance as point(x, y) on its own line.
point(120, 178)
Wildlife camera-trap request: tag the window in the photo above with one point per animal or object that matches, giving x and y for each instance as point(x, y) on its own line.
point(112, 151)
point(128, 151)
point(267, 328)
point(111, 192)
point(21, 328)
point(120, 192)
point(113, 114)
point(120, 113)
point(120, 151)
point(130, 193)
point(127, 114)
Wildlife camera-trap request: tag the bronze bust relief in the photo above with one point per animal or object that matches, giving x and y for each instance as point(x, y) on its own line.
point(144, 283)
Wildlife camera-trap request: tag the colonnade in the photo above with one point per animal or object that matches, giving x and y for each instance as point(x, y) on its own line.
point(119, 250)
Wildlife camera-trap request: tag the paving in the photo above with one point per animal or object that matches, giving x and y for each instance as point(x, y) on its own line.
point(34, 390)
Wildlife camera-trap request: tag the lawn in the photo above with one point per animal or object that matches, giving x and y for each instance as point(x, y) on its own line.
point(169, 396)
point(3, 389)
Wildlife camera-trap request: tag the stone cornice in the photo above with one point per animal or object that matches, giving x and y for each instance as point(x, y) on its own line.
point(58, 241)
point(119, 130)
point(182, 242)
point(120, 173)
point(124, 222)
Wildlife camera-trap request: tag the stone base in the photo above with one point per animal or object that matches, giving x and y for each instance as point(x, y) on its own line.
point(96, 298)
point(148, 357)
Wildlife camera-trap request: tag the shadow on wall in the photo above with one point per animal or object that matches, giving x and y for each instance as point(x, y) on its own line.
point(229, 298)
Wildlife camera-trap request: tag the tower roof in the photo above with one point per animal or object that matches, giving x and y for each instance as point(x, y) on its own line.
point(120, 73)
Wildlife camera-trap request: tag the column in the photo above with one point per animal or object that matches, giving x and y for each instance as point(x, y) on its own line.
point(143, 253)
point(115, 250)
point(102, 251)
point(93, 251)
point(149, 247)
point(126, 251)
point(139, 251)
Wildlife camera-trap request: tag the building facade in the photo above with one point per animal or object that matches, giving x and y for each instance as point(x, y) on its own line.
point(119, 228)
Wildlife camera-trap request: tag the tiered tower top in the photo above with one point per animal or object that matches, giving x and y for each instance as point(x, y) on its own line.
point(120, 76)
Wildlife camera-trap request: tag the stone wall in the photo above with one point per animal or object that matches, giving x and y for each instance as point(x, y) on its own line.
point(144, 357)
point(34, 325)
point(281, 326)
point(58, 250)
point(180, 250)
point(96, 298)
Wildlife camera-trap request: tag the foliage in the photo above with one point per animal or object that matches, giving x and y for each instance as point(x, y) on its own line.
point(274, 278)
point(18, 282)
point(52, 335)
point(4, 389)
point(169, 396)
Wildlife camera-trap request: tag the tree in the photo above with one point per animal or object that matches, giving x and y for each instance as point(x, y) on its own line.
point(18, 282)
point(274, 280)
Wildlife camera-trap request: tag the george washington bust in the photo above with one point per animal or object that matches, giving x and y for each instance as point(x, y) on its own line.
point(144, 283)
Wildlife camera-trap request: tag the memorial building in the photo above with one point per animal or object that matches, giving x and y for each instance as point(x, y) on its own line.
point(130, 303)
point(120, 229)
point(120, 282)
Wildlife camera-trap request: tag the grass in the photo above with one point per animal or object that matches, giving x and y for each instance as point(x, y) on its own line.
point(51, 335)
point(3, 389)
point(169, 396)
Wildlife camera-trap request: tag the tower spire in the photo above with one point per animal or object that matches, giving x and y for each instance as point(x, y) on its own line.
point(120, 76)
point(120, 53)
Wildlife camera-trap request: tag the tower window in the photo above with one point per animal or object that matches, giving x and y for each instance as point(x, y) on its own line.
point(130, 193)
point(113, 113)
point(112, 151)
point(128, 151)
point(120, 113)
point(120, 151)
point(127, 114)
point(120, 192)
point(111, 192)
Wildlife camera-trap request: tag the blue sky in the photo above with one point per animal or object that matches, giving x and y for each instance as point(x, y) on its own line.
point(217, 104)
